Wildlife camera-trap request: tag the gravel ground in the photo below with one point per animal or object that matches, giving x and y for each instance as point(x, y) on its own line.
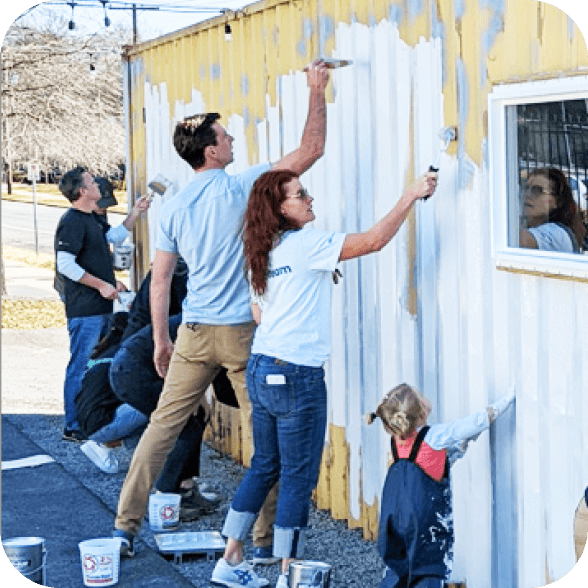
point(34, 357)
point(355, 561)
point(33, 364)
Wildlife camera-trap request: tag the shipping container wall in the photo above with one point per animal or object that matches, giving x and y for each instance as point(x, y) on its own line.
point(431, 309)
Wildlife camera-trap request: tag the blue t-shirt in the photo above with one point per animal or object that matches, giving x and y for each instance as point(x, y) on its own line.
point(202, 223)
point(552, 237)
point(296, 307)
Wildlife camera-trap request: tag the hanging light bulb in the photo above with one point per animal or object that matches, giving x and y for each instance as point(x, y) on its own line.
point(106, 19)
point(72, 24)
point(225, 11)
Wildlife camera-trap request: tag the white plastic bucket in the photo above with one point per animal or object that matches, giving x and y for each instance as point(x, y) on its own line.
point(164, 511)
point(100, 561)
point(28, 555)
point(122, 256)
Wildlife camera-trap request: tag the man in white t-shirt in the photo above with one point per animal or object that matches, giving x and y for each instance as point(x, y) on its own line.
point(202, 224)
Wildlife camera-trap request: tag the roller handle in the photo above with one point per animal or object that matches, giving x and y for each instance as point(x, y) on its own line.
point(432, 168)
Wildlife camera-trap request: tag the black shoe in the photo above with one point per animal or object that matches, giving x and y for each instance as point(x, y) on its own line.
point(127, 542)
point(194, 504)
point(73, 435)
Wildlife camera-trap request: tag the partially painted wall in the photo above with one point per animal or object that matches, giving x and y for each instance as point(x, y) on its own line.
point(431, 309)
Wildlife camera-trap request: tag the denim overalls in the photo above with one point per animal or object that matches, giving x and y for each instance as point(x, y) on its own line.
point(415, 536)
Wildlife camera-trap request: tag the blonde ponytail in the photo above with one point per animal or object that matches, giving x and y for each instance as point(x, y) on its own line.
point(402, 410)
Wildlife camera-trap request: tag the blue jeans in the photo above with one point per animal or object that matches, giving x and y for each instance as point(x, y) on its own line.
point(127, 421)
point(289, 421)
point(84, 334)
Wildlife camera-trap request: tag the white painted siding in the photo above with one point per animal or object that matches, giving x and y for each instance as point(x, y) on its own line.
point(473, 330)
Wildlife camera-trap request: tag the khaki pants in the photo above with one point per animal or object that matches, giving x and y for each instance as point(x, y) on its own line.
point(581, 527)
point(199, 352)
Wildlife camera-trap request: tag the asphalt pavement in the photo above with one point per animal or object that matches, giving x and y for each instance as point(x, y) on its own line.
point(47, 500)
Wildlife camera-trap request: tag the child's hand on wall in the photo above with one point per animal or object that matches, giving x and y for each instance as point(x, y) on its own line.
point(496, 409)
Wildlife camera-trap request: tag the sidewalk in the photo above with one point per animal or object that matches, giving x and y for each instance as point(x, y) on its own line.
point(49, 195)
point(25, 281)
point(46, 501)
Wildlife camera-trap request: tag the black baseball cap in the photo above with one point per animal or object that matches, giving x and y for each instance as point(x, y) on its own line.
point(107, 193)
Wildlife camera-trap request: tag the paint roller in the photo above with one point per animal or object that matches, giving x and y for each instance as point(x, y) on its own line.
point(447, 135)
point(158, 186)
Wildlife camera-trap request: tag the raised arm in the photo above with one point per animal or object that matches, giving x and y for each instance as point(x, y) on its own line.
point(312, 144)
point(140, 207)
point(455, 435)
point(381, 233)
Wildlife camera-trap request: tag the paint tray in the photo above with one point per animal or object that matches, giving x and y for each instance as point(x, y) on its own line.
point(207, 543)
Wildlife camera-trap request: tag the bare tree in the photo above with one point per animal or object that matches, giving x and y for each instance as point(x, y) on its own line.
point(62, 97)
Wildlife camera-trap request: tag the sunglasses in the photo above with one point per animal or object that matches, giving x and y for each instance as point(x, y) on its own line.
point(302, 194)
point(535, 191)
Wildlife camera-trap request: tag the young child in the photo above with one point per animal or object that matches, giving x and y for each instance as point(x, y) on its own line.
point(415, 536)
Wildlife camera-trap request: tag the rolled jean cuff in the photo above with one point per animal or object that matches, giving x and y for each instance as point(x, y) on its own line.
point(288, 542)
point(238, 524)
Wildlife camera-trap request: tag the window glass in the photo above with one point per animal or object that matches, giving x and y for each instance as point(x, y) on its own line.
point(547, 175)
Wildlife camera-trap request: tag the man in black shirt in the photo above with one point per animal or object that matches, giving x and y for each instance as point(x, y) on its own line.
point(83, 257)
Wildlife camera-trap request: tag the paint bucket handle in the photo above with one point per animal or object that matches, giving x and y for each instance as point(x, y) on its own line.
point(41, 567)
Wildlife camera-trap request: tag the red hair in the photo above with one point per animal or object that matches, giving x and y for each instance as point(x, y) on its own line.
point(566, 211)
point(263, 222)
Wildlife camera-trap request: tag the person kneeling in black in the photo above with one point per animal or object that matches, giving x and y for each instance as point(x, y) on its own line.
point(135, 381)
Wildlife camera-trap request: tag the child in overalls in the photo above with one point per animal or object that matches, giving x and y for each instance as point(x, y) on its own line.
point(415, 537)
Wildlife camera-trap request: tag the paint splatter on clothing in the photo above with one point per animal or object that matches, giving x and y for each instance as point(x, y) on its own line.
point(416, 524)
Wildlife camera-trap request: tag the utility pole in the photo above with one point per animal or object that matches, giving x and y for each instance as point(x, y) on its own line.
point(134, 9)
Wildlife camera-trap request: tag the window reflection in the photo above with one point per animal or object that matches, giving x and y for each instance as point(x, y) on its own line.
point(550, 143)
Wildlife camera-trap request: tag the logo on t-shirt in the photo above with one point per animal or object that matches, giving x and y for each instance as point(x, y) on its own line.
point(279, 271)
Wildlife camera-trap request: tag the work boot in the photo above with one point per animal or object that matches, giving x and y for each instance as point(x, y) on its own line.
point(194, 504)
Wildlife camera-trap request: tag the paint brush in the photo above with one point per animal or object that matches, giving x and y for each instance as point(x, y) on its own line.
point(331, 63)
point(159, 186)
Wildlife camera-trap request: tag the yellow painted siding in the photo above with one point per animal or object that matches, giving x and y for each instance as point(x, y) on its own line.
point(481, 47)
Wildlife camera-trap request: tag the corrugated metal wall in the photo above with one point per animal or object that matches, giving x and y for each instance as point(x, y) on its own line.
point(431, 309)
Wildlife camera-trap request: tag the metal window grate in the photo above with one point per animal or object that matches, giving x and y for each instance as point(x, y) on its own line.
point(555, 134)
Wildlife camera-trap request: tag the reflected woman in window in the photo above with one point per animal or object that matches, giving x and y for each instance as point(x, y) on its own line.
point(550, 219)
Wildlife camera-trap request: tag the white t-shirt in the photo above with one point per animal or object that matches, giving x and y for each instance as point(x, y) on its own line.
point(552, 237)
point(296, 307)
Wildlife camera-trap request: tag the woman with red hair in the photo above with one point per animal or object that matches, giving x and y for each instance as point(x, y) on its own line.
point(291, 269)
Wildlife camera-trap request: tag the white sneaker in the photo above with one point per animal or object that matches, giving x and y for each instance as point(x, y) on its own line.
point(236, 576)
point(282, 581)
point(102, 457)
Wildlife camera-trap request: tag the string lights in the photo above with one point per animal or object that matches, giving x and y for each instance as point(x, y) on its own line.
point(136, 6)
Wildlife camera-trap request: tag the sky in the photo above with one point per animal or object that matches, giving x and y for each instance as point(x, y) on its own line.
point(88, 15)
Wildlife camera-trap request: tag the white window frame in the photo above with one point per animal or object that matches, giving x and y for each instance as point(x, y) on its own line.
point(518, 258)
